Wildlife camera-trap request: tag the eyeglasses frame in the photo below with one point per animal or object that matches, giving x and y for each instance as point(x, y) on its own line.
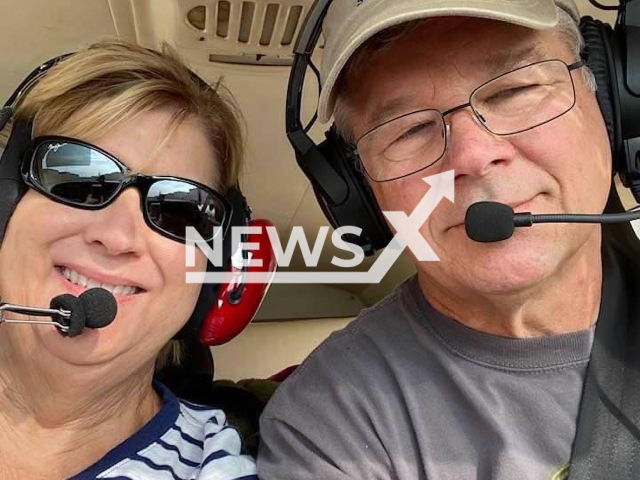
point(477, 116)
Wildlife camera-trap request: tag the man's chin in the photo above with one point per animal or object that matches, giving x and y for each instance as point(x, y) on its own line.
point(513, 278)
point(514, 265)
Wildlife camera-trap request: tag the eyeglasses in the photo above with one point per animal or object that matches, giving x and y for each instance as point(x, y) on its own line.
point(512, 103)
point(82, 175)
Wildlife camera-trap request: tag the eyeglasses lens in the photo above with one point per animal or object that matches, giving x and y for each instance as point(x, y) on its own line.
point(525, 98)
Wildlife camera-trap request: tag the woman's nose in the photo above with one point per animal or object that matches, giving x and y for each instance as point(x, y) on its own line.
point(118, 228)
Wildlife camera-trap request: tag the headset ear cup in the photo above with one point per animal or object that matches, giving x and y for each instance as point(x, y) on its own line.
point(209, 293)
point(238, 302)
point(11, 191)
point(597, 36)
point(360, 208)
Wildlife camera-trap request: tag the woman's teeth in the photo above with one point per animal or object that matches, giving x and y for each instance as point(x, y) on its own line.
point(79, 279)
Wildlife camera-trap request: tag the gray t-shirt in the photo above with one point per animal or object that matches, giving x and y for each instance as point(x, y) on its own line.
point(406, 393)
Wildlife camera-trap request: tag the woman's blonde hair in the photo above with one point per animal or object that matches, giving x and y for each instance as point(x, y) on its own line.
point(111, 83)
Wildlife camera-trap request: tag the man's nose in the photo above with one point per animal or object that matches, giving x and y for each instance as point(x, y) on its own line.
point(118, 228)
point(473, 151)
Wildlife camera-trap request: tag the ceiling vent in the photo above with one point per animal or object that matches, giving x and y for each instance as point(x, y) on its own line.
point(259, 32)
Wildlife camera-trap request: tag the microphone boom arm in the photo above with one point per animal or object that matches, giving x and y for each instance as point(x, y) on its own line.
point(527, 219)
point(35, 311)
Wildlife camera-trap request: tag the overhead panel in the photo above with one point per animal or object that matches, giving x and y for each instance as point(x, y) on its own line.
point(37, 30)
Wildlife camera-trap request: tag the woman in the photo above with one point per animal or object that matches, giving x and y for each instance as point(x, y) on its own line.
point(87, 407)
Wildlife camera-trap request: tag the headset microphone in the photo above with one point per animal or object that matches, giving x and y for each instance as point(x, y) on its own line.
point(94, 308)
point(492, 221)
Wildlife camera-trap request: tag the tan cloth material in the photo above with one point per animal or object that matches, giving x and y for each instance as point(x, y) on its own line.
point(350, 23)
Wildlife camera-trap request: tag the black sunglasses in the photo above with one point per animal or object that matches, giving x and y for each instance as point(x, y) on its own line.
point(81, 175)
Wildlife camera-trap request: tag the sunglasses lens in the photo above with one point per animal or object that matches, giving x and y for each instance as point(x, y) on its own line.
point(75, 173)
point(173, 205)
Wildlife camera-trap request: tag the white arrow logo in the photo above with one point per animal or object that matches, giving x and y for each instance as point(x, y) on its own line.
point(408, 228)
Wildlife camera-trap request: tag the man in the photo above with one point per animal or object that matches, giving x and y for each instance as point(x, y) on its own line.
point(474, 369)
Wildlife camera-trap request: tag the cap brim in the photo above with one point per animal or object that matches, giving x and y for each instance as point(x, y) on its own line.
point(535, 14)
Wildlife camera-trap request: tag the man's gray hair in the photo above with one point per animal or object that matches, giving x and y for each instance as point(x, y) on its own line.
point(567, 29)
point(570, 31)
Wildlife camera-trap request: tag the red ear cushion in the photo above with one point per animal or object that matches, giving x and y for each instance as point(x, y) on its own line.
point(227, 318)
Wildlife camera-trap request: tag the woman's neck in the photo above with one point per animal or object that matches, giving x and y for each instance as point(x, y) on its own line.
point(53, 428)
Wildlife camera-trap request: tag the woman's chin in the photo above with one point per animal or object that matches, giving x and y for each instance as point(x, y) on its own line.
point(89, 347)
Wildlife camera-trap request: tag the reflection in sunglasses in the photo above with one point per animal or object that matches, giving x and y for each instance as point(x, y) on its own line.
point(81, 175)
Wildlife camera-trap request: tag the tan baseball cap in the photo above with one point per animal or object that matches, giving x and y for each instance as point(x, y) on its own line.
point(349, 23)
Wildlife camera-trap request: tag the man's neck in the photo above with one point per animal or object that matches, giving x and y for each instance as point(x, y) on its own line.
point(568, 301)
point(52, 428)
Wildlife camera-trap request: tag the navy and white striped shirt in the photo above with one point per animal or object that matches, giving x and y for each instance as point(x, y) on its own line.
point(183, 441)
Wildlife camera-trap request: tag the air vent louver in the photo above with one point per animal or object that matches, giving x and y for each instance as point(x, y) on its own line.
point(238, 31)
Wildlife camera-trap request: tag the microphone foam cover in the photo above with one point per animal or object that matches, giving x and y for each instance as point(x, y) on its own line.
point(100, 307)
point(489, 222)
point(72, 304)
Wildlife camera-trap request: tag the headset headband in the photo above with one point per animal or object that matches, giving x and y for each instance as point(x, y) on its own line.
point(7, 110)
point(332, 184)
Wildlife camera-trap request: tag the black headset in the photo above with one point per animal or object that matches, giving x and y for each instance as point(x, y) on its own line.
point(333, 166)
point(12, 188)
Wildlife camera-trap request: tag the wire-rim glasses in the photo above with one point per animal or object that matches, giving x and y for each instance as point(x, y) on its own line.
point(514, 102)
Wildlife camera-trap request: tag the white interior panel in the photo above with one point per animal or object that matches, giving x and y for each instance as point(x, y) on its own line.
point(265, 349)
